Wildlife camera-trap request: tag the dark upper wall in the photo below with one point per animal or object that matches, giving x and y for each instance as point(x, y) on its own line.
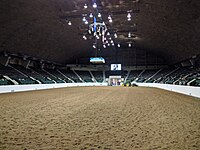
point(169, 28)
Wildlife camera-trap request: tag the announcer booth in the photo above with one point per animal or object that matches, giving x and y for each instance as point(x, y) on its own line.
point(115, 77)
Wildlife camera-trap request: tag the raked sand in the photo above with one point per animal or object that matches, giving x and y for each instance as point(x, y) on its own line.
point(108, 118)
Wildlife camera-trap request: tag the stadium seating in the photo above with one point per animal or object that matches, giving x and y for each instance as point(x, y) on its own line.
point(4, 81)
point(177, 76)
point(85, 75)
point(59, 76)
point(18, 76)
point(70, 74)
point(98, 75)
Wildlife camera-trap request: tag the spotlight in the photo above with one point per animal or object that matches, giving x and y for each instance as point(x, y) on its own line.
point(129, 15)
point(99, 15)
point(84, 37)
point(129, 45)
point(115, 35)
point(109, 17)
point(69, 23)
point(97, 37)
point(104, 46)
point(84, 19)
point(110, 20)
point(94, 5)
point(85, 6)
point(94, 46)
point(129, 34)
point(86, 22)
point(118, 45)
point(91, 15)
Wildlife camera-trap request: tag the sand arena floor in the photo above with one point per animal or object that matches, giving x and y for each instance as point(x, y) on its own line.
point(99, 118)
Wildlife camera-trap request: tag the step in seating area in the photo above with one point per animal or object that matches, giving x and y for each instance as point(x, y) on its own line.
point(15, 75)
point(133, 75)
point(85, 75)
point(4, 81)
point(70, 74)
point(59, 76)
point(146, 75)
point(98, 75)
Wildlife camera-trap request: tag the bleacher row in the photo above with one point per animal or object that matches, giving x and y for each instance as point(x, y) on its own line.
point(176, 76)
point(16, 74)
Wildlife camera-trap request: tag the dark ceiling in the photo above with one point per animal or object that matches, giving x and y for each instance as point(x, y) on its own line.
point(169, 28)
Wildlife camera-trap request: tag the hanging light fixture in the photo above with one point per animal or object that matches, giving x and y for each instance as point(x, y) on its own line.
point(99, 15)
point(85, 6)
point(129, 34)
point(94, 5)
point(129, 17)
point(86, 22)
point(84, 37)
point(115, 35)
point(69, 23)
point(91, 15)
point(94, 46)
point(84, 19)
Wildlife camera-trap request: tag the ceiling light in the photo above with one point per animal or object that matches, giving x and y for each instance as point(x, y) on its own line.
point(118, 45)
point(84, 37)
point(111, 41)
point(99, 15)
point(108, 44)
point(94, 46)
point(85, 6)
point(113, 44)
point(84, 19)
point(69, 23)
point(91, 15)
point(109, 17)
point(129, 15)
point(129, 19)
point(94, 5)
point(108, 33)
point(129, 45)
point(86, 22)
point(129, 34)
point(115, 35)
point(110, 20)
point(97, 37)
point(104, 46)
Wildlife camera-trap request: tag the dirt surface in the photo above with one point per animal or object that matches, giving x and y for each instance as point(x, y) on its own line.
point(99, 118)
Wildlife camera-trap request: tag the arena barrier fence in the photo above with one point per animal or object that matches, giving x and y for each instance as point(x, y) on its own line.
point(187, 90)
point(31, 87)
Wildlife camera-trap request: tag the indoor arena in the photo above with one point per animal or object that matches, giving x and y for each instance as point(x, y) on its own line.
point(99, 74)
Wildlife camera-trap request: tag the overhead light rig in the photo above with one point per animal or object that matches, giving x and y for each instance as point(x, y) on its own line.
point(98, 25)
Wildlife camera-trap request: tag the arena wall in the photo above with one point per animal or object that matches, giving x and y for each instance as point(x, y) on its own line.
point(20, 88)
point(188, 90)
